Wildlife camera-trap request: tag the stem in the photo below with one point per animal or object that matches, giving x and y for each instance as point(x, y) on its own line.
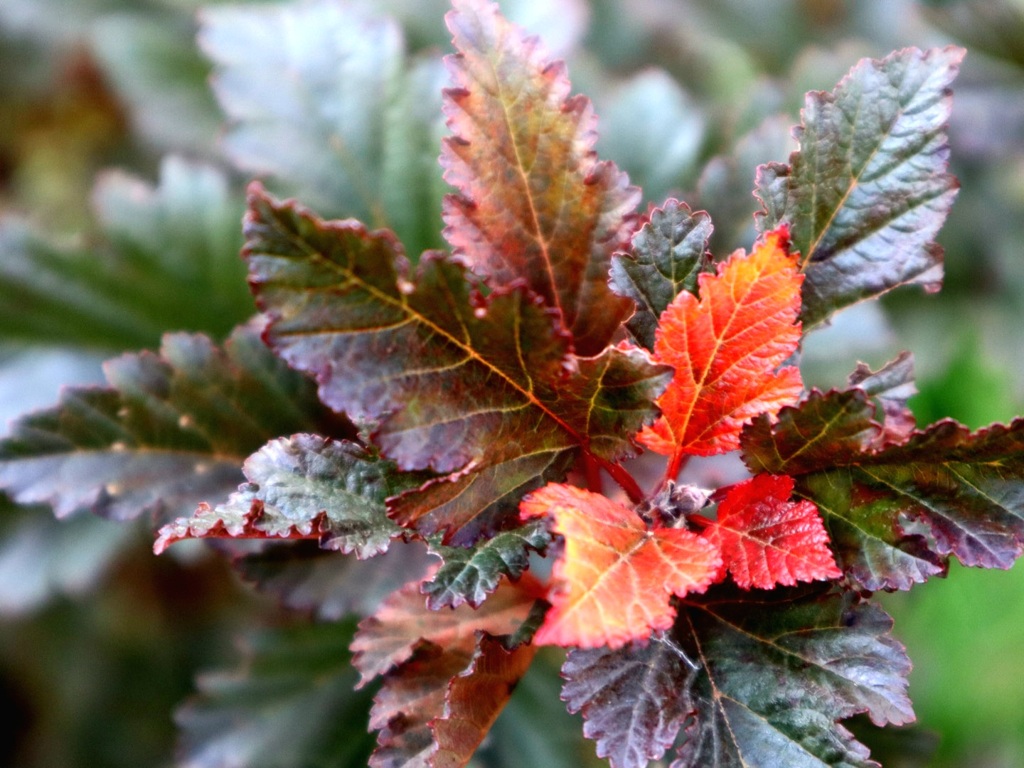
point(592, 471)
point(622, 477)
point(675, 466)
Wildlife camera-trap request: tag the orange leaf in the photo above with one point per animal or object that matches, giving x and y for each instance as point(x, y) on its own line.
point(615, 578)
point(725, 348)
point(766, 539)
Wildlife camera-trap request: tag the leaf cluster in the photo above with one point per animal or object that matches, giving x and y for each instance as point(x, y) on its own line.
point(435, 429)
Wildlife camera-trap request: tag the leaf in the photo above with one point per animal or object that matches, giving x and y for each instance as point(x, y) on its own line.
point(474, 700)
point(304, 577)
point(171, 430)
point(723, 189)
point(469, 574)
point(767, 540)
point(725, 348)
point(164, 257)
point(891, 386)
point(667, 255)
point(389, 638)
point(410, 699)
point(290, 704)
point(305, 486)
point(533, 203)
point(776, 675)
point(868, 190)
point(453, 381)
point(41, 557)
point(536, 708)
point(160, 76)
point(323, 97)
point(654, 130)
point(633, 699)
point(895, 512)
point(615, 579)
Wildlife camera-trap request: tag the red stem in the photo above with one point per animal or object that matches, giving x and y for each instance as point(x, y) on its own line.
point(622, 477)
point(592, 470)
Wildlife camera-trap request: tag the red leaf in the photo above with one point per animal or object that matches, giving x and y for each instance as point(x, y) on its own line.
point(615, 578)
point(766, 539)
point(534, 202)
point(389, 637)
point(725, 348)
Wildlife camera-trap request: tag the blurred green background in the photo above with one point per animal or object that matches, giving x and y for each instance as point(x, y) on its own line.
point(116, 180)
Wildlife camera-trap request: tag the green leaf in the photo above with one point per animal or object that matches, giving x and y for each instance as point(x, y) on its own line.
point(469, 574)
point(654, 131)
point(305, 486)
point(667, 254)
point(305, 577)
point(634, 699)
point(41, 557)
point(533, 204)
point(454, 381)
point(167, 258)
point(322, 97)
point(152, 62)
point(867, 191)
point(775, 675)
point(289, 705)
point(896, 510)
point(171, 430)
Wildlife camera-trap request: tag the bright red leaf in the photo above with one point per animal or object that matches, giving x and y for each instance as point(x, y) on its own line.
point(614, 581)
point(766, 539)
point(725, 348)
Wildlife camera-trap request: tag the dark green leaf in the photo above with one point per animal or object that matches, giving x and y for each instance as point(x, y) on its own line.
point(776, 672)
point(896, 510)
point(995, 27)
point(172, 430)
point(305, 486)
point(305, 577)
point(290, 705)
point(167, 258)
point(634, 699)
point(321, 96)
point(667, 254)
point(867, 191)
point(485, 387)
point(469, 574)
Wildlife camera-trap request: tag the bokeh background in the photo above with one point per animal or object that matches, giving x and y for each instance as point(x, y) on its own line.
point(119, 198)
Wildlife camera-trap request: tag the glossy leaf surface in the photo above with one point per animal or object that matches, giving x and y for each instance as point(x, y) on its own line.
point(632, 699)
point(305, 486)
point(767, 540)
point(961, 487)
point(534, 203)
point(776, 675)
point(469, 574)
point(389, 637)
point(667, 255)
point(482, 385)
point(725, 348)
point(868, 190)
